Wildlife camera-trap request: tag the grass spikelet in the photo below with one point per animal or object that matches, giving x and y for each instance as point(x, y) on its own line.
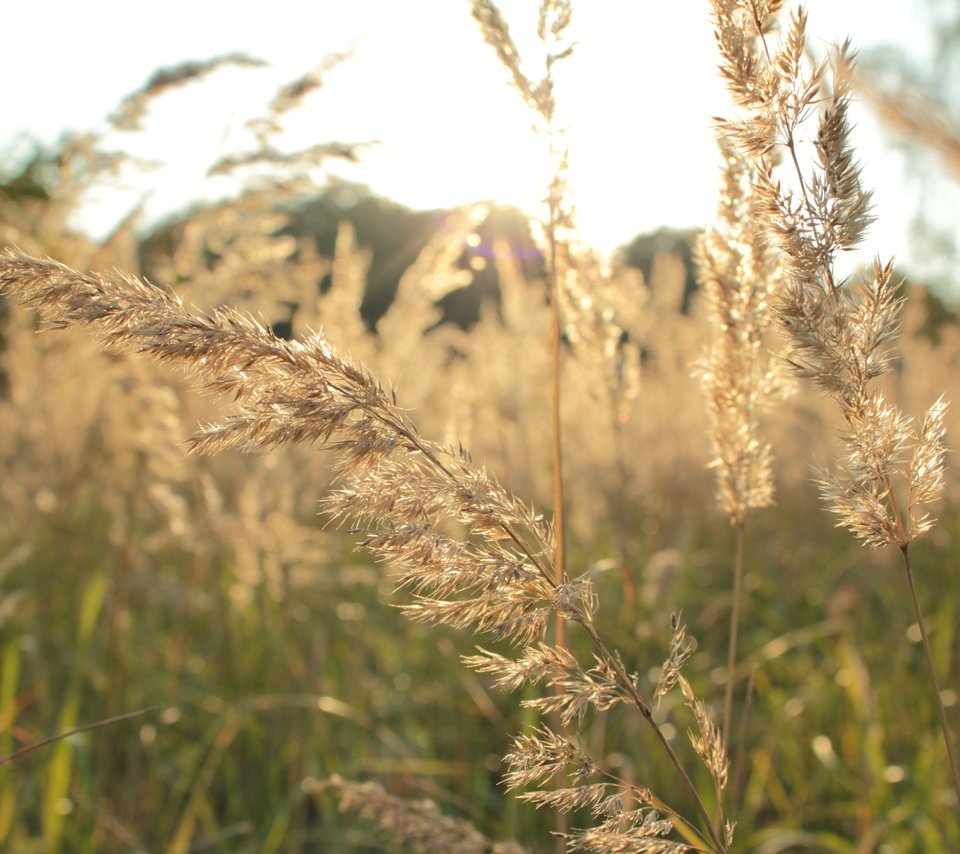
point(681, 648)
point(739, 273)
point(539, 756)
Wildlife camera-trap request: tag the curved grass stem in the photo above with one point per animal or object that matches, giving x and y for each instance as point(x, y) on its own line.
point(717, 844)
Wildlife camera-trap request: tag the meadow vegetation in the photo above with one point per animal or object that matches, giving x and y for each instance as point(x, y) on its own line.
point(600, 656)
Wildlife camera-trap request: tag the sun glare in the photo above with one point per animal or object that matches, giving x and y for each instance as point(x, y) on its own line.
point(445, 127)
point(446, 131)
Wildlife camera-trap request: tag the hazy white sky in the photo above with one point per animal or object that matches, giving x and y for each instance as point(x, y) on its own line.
point(639, 94)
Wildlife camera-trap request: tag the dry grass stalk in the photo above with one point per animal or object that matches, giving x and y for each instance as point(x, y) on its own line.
point(554, 19)
point(417, 825)
point(739, 274)
point(540, 756)
point(591, 308)
point(133, 108)
point(582, 313)
point(290, 96)
point(840, 337)
point(540, 96)
point(307, 158)
point(492, 573)
point(288, 392)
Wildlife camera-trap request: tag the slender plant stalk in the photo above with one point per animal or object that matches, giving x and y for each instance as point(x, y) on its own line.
point(622, 519)
point(554, 18)
point(734, 631)
point(736, 789)
point(647, 712)
point(559, 515)
point(731, 656)
point(23, 751)
point(739, 378)
point(944, 723)
point(559, 519)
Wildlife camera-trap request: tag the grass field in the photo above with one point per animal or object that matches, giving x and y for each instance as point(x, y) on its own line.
point(224, 657)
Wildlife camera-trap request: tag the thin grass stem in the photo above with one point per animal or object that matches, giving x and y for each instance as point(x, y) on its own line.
point(944, 723)
point(23, 751)
point(734, 633)
point(731, 657)
point(736, 789)
point(559, 517)
point(635, 696)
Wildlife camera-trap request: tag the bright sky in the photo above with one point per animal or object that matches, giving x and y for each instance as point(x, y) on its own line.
point(640, 91)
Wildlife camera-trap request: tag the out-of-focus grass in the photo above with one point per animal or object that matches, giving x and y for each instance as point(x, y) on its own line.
point(254, 697)
point(257, 694)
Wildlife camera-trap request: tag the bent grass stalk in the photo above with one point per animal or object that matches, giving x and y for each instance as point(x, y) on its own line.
point(401, 491)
